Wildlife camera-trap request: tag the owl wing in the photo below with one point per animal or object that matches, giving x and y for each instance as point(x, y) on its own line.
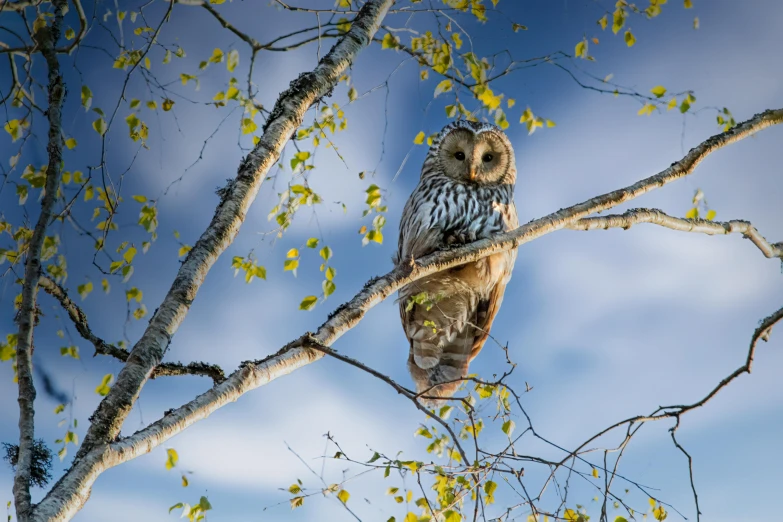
point(486, 311)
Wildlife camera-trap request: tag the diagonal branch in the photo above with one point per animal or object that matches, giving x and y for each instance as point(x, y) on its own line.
point(79, 319)
point(46, 38)
point(73, 489)
point(293, 356)
point(701, 226)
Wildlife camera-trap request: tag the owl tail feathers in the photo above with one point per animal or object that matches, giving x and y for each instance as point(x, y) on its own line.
point(428, 381)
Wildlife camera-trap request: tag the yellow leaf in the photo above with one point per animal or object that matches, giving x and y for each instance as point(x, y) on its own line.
point(595, 473)
point(658, 91)
point(184, 249)
point(343, 496)
point(388, 42)
point(691, 214)
point(710, 215)
point(688, 4)
point(647, 109)
point(419, 139)
point(171, 458)
point(603, 22)
point(70, 143)
point(442, 87)
point(308, 302)
point(630, 39)
point(580, 51)
point(672, 104)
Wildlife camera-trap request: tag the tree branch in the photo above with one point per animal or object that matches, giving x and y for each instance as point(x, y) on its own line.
point(79, 319)
point(701, 226)
point(70, 493)
point(47, 40)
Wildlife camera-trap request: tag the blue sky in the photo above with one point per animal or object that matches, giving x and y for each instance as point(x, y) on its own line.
point(603, 325)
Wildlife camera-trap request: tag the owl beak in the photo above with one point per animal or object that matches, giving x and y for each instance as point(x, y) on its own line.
point(472, 173)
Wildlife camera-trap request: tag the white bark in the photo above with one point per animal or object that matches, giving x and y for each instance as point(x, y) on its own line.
point(46, 39)
point(74, 487)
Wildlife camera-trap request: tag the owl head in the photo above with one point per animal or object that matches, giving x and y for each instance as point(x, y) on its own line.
point(474, 153)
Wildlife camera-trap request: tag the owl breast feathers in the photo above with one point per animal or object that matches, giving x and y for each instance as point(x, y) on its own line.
point(466, 192)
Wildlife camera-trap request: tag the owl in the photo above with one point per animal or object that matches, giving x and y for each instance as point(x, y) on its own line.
point(466, 192)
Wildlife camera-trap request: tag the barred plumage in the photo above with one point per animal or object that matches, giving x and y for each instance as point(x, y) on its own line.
point(466, 192)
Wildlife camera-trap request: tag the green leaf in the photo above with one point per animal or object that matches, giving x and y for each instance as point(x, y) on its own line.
point(508, 427)
point(100, 126)
point(133, 293)
point(176, 506)
point(86, 97)
point(140, 199)
point(59, 409)
point(312, 242)
point(84, 290)
point(489, 489)
point(620, 519)
point(308, 302)
point(129, 254)
point(451, 516)
point(388, 42)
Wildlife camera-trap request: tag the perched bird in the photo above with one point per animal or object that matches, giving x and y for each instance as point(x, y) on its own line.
point(466, 192)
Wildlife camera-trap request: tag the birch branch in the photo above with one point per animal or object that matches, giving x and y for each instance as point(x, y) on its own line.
point(47, 40)
point(70, 493)
point(700, 226)
point(77, 482)
point(79, 319)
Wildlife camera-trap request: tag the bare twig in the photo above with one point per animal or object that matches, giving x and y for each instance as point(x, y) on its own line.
point(700, 226)
point(79, 319)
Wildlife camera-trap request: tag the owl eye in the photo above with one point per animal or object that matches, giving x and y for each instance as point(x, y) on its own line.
point(486, 158)
point(459, 155)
